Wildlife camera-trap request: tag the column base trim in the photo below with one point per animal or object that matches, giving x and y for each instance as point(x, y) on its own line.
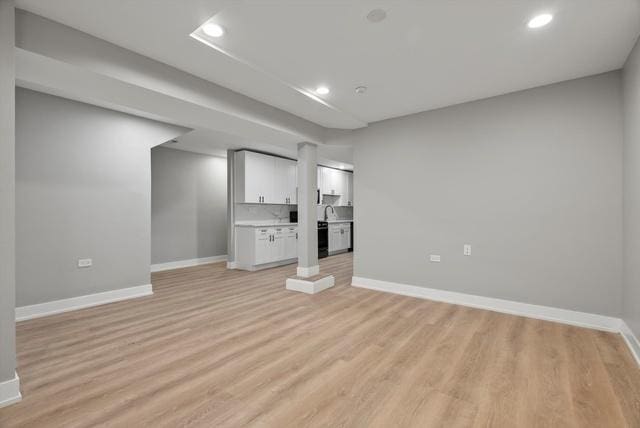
point(310, 286)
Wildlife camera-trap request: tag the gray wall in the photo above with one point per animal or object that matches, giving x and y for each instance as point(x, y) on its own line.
point(188, 205)
point(7, 192)
point(631, 289)
point(532, 180)
point(83, 190)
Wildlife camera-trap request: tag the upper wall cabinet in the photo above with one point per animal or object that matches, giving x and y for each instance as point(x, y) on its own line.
point(264, 179)
point(286, 182)
point(336, 183)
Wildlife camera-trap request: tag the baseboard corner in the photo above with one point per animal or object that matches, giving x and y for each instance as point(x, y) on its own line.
point(10, 391)
point(631, 340)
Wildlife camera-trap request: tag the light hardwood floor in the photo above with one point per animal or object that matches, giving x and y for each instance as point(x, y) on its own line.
point(217, 348)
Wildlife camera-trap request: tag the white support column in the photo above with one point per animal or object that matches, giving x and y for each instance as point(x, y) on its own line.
point(9, 382)
point(231, 210)
point(308, 279)
point(307, 210)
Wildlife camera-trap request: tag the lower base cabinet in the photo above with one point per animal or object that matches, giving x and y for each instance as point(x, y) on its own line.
point(339, 237)
point(258, 247)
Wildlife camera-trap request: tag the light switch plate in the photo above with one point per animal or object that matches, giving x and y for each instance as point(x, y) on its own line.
point(467, 250)
point(434, 258)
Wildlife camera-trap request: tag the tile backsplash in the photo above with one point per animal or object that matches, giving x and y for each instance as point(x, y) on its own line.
point(268, 212)
point(246, 212)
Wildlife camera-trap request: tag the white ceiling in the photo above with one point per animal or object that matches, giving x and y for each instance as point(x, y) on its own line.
point(425, 55)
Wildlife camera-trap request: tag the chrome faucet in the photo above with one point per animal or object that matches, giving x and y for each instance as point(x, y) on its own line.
point(326, 217)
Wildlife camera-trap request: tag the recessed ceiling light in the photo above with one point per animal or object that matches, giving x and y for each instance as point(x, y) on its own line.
point(322, 90)
point(540, 20)
point(376, 15)
point(361, 89)
point(213, 30)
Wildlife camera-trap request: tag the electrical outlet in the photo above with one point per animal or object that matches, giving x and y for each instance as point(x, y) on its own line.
point(435, 258)
point(467, 250)
point(84, 263)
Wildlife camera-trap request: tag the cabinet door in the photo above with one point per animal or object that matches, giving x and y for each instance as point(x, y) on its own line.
point(347, 236)
point(334, 239)
point(350, 189)
point(342, 187)
point(259, 173)
point(263, 246)
point(279, 245)
point(291, 244)
point(319, 184)
point(285, 181)
point(329, 181)
point(292, 181)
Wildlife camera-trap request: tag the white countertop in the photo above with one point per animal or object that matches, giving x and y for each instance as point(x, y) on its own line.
point(266, 223)
point(258, 223)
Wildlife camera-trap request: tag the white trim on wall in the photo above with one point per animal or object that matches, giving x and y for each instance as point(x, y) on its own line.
point(10, 391)
point(159, 267)
point(65, 305)
point(547, 313)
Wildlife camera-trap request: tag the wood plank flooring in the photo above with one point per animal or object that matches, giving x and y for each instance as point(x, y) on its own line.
point(218, 348)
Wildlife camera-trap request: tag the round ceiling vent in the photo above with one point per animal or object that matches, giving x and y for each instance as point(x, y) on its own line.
point(376, 15)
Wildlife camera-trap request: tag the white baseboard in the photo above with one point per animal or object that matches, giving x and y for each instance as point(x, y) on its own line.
point(632, 341)
point(232, 265)
point(547, 313)
point(10, 391)
point(65, 305)
point(307, 272)
point(310, 287)
point(187, 263)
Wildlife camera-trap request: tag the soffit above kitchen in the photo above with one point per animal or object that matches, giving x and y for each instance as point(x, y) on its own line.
point(419, 56)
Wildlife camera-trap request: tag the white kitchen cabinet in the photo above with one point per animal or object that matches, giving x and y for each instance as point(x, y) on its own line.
point(259, 247)
point(254, 177)
point(265, 179)
point(291, 243)
point(349, 198)
point(279, 244)
point(330, 181)
point(338, 183)
point(264, 246)
point(286, 181)
point(339, 237)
